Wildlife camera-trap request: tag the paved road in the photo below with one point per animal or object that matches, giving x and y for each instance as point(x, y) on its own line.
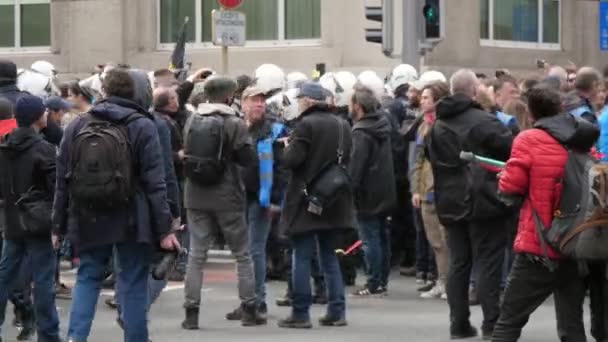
point(401, 316)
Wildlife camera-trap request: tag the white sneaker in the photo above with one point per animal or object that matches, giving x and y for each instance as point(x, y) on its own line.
point(434, 293)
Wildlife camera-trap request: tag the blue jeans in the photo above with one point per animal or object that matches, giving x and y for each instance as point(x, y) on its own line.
point(302, 255)
point(134, 259)
point(425, 257)
point(376, 251)
point(259, 228)
point(42, 256)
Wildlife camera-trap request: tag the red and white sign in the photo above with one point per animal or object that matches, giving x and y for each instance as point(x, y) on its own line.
point(230, 4)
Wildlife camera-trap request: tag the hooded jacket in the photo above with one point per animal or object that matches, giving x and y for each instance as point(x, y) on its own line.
point(26, 160)
point(536, 169)
point(229, 193)
point(143, 97)
point(466, 191)
point(148, 219)
point(371, 166)
point(313, 143)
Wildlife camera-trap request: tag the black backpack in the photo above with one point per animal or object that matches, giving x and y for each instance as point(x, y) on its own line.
point(102, 165)
point(204, 161)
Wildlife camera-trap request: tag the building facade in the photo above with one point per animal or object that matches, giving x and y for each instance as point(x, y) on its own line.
point(75, 35)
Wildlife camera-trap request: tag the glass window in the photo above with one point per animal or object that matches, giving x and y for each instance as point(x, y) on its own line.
point(35, 25)
point(25, 23)
point(550, 21)
point(520, 20)
point(302, 19)
point(7, 25)
point(484, 23)
point(172, 16)
point(516, 20)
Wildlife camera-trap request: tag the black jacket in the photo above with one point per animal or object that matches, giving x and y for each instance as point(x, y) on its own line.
point(26, 160)
point(466, 191)
point(371, 166)
point(313, 144)
point(251, 173)
point(400, 115)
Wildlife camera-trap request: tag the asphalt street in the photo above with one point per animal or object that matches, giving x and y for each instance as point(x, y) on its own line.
point(400, 316)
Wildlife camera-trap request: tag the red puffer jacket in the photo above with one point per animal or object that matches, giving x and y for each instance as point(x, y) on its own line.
point(534, 170)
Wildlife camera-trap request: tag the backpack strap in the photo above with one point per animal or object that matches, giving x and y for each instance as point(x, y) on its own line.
point(550, 264)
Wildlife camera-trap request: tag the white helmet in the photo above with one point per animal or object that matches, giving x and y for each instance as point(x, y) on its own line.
point(294, 79)
point(45, 68)
point(402, 74)
point(34, 83)
point(372, 81)
point(327, 81)
point(427, 78)
point(269, 77)
point(285, 104)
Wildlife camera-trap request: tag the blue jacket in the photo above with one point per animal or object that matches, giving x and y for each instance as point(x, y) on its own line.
point(603, 141)
point(579, 106)
point(173, 194)
point(266, 157)
point(148, 219)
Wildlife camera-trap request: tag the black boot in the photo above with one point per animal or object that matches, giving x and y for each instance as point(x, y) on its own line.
point(191, 321)
point(250, 316)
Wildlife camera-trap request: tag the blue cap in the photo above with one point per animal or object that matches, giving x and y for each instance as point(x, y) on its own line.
point(56, 103)
point(28, 110)
point(312, 90)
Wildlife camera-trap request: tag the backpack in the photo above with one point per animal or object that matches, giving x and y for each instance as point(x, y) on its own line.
point(579, 229)
point(204, 161)
point(102, 165)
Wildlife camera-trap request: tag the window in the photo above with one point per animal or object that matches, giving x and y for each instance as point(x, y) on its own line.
point(520, 23)
point(25, 24)
point(267, 20)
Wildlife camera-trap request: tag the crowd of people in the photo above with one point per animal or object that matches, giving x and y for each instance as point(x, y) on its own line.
point(134, 176)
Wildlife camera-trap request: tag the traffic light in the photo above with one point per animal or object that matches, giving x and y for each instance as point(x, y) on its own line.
point(431, 11)
point(384, 35)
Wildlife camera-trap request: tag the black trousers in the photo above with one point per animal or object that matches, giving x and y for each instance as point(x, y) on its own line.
point(597, 282)
point(483, 241)
point(530, 283)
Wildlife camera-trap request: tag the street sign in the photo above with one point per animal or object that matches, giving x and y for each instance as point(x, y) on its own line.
point(228, 28)
point(230, 4)
point(603, 34)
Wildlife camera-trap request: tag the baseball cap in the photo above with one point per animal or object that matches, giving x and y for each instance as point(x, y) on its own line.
point(252, 91)
point(312, 90)
point(56, 103)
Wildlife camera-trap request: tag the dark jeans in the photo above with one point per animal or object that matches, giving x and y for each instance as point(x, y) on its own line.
point(597, 282)
point(259, 227)
point(303, 253)
point(42, 256)
point(529, 285)
point(376, 249)
point(482, 241)
point(402, 229)
point(134, 259)
point(315, 272)
point(425, 257)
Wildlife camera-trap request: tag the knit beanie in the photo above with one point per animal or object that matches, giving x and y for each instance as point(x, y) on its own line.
point(28, 110)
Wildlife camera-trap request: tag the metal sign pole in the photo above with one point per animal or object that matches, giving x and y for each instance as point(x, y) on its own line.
point(224, 60)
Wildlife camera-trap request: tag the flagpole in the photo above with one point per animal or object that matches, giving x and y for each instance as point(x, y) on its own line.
point(224, 55)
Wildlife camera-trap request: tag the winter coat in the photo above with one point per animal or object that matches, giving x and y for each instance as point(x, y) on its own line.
point(11, 92)
point(465, 191)
point(261, 134)
point(313, 144)
point(26, 160)
point(371, 166)
point(229, 193)
point(53, 133)
point(536, 169)
point(164, 137)
point(147, 219)
point(6, 126)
